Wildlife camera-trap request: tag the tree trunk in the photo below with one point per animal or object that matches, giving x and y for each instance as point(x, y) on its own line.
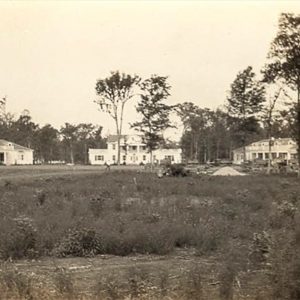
point(85, 154)
point(71, 154)
point(120, 132)
point(119, 152)
point(218, 149)
point(191, 147)
point(118, 139)
point(270, 146)
point(151, 160)
point(298, 126)
point(269, 159)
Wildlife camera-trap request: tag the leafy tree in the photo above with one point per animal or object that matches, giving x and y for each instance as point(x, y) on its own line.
point(206, 134)
point(23, 130)
point(284, 61)
point(220, 135)
point(155, 113)
point(194, 121)
point(270, 115)
point(244, 102)
point(85, 134)
point(47, 144)
point(69, 133)
point(114, 91)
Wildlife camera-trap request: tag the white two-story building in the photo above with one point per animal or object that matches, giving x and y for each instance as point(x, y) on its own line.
point(283, 149)
point(133, 151)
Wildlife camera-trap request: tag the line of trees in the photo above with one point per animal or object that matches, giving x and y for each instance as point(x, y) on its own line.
point(250, 111)
point(68, 144)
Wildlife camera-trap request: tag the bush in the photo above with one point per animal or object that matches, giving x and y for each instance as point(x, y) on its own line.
point(79, 242)
point(177, 170)
point(19, 239)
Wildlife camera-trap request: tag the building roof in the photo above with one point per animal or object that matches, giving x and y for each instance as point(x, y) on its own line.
point(114, 137)
point(15, 146)
point(240, 149)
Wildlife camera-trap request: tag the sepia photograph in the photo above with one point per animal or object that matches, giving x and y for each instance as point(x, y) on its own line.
point(149, 150)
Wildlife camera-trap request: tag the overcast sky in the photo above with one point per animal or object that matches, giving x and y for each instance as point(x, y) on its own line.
point(52, 53)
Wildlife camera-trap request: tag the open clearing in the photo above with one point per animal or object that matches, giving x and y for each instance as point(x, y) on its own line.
point(127, 234)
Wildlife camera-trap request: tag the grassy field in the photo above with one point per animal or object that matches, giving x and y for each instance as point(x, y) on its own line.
point(82, 233)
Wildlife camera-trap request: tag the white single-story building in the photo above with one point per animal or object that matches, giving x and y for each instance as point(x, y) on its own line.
point(133, 151)
point(14, 154)
point(281, 148)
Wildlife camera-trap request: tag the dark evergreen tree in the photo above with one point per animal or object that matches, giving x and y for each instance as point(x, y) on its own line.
point(245, 101)
point(154, 112)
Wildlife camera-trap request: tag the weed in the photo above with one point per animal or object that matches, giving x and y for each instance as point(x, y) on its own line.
point(64, 283)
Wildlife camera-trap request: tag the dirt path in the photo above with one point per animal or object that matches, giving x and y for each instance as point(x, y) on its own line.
point(86, 273)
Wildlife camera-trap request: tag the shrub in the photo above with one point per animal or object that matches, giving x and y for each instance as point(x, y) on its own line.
point(177, 170)
point(79, 242)
point(18, 239)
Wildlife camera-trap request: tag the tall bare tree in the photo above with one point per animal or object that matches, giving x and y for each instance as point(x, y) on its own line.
point(114, 92)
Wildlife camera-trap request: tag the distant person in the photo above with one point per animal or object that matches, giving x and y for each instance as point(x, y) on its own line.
point(107, 164)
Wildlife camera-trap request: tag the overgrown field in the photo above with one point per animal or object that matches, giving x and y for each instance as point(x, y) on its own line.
point(240, 236)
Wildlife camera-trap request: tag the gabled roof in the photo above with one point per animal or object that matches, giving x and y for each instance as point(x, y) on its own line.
point(263, 141)
point(114, 138)
point(15, 146)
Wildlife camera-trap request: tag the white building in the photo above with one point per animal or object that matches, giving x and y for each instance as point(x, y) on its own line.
point(14, 154)
point(283, 149)
point(133, 151)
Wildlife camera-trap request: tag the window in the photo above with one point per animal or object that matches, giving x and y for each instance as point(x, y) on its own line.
point(21, 155)
point(124, 157)
point(113, 157)
point(144, 157)
point(114, 146)
point(253, 155)
point(283, 155)
point(274, 155)
point(133, 147)
point(266, 155)
point(169, 157)
point(143, 148)
point(260, 156)
point(99, 157)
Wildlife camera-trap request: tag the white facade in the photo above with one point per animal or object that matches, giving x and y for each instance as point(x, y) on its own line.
point(282, 149)
point(13, 154)
point(133, 151)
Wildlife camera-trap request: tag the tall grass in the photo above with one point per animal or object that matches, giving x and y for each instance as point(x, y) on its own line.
point(240, 217)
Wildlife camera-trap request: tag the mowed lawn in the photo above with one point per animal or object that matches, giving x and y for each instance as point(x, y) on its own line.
point(17, 172)
point(127, 234)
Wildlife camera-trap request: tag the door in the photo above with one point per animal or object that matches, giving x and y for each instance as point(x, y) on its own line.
point(1, 158)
